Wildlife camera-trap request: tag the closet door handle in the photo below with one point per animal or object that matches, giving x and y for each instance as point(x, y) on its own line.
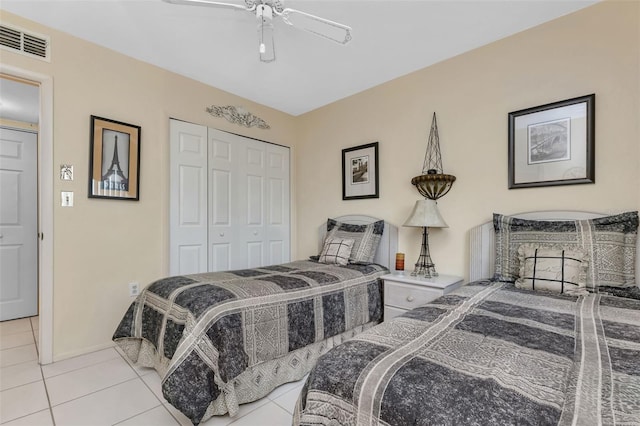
point(222, 234)
point(255, 232)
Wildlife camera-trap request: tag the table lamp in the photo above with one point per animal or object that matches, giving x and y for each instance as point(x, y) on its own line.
point(425, 215)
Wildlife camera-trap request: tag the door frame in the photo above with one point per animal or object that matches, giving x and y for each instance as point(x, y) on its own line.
point(45, 208)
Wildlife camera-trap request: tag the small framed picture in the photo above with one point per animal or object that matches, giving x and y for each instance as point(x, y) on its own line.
point(360, 172)
point(553, 144)
point(114, 164)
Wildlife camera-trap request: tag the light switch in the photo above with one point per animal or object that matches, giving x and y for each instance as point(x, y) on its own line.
point(67, 198)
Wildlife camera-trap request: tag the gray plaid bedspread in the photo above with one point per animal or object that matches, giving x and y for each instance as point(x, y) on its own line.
point(202, 331)
point(486, 354)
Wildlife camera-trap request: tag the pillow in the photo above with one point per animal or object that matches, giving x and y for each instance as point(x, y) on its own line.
point(336, 251)
point(556, 270)
point(609, 242)
point(366, 238)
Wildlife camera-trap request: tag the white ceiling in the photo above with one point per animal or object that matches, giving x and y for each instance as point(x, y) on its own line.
point(219, 46)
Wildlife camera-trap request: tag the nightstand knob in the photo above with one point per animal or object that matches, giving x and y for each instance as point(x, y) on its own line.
point(410, 298)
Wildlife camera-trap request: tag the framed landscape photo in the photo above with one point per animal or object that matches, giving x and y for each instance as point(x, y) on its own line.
point(114, 164)
point(360, 172)
point(553, 144)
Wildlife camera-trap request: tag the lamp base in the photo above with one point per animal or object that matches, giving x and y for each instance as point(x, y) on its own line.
point(428, 271)
point(424, 266)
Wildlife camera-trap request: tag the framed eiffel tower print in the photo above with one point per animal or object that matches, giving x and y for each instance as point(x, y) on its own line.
point(114, 164)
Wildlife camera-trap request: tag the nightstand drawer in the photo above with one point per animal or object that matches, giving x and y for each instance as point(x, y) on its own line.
point(391, 312)
point(408, 296)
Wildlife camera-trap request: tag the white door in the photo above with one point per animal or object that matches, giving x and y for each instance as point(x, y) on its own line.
point(277, 230)
point(229, 201)
point(251, 202)
point(18, 224)
point(223, 214)
point(236, 201)
point(188, 194)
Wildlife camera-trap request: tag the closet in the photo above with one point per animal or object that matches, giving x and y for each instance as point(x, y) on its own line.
point(229, 201)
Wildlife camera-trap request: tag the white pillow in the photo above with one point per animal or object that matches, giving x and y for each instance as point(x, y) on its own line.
point(552, 269)
point(336, 251)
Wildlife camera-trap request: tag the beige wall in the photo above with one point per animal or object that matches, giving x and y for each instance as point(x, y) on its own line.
point(102, 245)
point(595, 50)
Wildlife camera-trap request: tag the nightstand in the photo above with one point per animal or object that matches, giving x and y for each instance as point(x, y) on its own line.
point(404, 292)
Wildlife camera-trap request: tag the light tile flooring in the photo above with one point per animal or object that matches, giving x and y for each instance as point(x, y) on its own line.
point(102, 388)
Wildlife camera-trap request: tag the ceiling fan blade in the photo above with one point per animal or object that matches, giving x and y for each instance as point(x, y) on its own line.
point(331, 30)
point(213, 4)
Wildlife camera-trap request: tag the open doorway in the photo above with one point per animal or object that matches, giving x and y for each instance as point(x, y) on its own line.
point(44, 189)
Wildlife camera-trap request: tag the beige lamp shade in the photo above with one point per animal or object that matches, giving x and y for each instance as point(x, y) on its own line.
point(425, 213)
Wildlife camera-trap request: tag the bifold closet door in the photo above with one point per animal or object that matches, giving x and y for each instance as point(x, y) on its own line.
point(248, 202)
point(277, 231)
point(243, 185)
point(222, 194)
point(188, 224)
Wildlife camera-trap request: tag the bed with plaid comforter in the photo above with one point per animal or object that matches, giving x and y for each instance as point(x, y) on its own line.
point(487, 354)
point(224, 338)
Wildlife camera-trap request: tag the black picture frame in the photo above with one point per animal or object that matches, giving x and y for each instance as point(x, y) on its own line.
point(360, 172)
point(553, 144)
point(114, 165)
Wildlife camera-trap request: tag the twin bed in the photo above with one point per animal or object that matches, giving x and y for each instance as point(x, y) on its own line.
point(225, 338)
point(503, 353)
point(491, 352)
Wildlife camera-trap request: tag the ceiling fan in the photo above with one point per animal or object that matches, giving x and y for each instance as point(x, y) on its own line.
point(265, 12)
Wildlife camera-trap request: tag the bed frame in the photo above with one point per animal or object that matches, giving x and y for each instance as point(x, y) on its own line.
point(386, 254)
point(482, 250)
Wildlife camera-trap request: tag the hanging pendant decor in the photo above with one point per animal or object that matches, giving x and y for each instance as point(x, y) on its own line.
point(433, 183)
point(237, 115)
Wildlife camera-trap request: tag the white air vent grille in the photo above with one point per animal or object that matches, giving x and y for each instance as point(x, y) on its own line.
point(29, 44)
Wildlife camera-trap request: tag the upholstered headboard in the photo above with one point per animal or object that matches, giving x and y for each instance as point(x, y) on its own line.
point(388, 247)
point(482, 250)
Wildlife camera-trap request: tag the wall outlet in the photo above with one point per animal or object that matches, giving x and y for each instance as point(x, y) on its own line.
point(134, 289)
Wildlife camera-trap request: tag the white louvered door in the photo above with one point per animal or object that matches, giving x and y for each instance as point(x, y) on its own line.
point(247, 198)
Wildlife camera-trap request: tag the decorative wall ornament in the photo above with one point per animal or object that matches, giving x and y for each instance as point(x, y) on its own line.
point(238, 115)
point(433, 183)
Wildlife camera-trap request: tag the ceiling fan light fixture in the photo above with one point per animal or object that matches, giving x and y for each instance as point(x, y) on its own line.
point(266, 48)
point(266, 10)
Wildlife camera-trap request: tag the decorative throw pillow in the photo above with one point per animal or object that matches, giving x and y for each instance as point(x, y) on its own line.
point(556, 270)
point(336, 251)
point(366, 238)
point(609, 242)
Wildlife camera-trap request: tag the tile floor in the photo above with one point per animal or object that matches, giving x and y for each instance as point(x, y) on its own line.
point(102, 388)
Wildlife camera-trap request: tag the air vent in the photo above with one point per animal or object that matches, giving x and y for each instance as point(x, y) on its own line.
point(29, 44)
